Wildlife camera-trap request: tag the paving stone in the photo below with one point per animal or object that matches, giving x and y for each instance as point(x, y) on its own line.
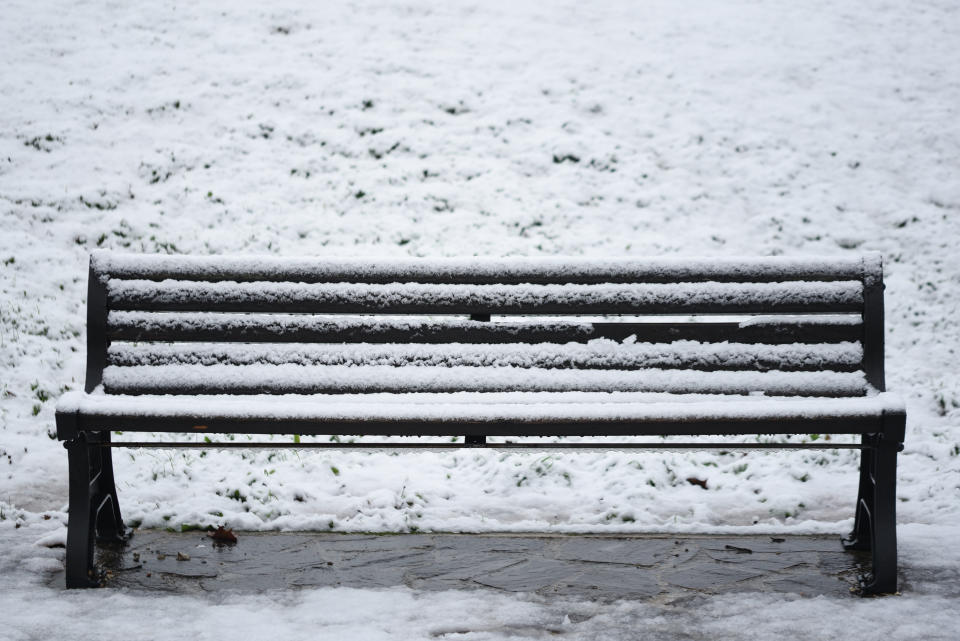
point(238, 582)
point(372, 576)
point(672, 569)
point(517, 544)
point(811, 585)
point(646, 552)
point(610, 582)
point(706, 576)
point(774, 543)
point(764, 562)
point(530, 575)
point(383, 558)
point(681, 552)
point(455, 565)
point(843, 562)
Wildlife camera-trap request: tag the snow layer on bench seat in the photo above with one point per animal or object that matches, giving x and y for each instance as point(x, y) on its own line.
point(802, 320)
point(281, 324)
point(227, 321)
point(176, 293)
point(211, 379)
point(126, 265)
point(599, 353)
point(449, 408)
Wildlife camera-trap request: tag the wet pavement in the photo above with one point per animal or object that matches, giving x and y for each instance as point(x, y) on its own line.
point(601, 567)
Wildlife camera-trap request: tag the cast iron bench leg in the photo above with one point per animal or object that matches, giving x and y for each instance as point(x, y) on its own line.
point(875, 525)
point(94, 509)
point(884, 519)
point(80, 526)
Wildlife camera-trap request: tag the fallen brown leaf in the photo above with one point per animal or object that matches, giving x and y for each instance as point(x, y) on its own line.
point(223, 535)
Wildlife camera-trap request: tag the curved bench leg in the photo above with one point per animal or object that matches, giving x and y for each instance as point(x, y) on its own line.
point(109, 523)
point(875, 525)
point(94, 508)
point(860, 538)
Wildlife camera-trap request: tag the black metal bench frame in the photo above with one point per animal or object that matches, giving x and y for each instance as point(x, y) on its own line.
point(94, 512)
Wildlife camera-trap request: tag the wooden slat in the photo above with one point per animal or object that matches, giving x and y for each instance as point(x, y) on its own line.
point(603, 354)
point(288, 328)
point(476, 270)
point(298, 379)
point(353, 298)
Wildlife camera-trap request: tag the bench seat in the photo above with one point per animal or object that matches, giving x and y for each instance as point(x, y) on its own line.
point(534, 413)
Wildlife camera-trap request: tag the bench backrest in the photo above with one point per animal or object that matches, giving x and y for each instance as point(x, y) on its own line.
point(781, 326)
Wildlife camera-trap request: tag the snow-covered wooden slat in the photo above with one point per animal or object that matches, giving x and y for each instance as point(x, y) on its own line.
point(444, 408)
point(418, 298)
point(298, 379)
point(484, 270)
point(597, 354)
point(302, 328)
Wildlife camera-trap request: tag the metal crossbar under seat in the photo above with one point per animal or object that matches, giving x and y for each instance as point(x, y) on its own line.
point(506, 445)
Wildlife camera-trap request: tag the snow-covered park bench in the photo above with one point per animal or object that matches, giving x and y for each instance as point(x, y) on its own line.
point(501, 349)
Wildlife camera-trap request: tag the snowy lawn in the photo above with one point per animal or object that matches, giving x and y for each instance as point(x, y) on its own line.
point(497, 128)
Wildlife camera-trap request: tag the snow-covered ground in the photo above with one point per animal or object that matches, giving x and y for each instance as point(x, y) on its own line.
point(496, 128)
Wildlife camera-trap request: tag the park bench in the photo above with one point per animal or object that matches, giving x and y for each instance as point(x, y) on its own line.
point(503, 349)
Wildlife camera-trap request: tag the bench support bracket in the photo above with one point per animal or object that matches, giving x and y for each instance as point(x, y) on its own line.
point(94, 509)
